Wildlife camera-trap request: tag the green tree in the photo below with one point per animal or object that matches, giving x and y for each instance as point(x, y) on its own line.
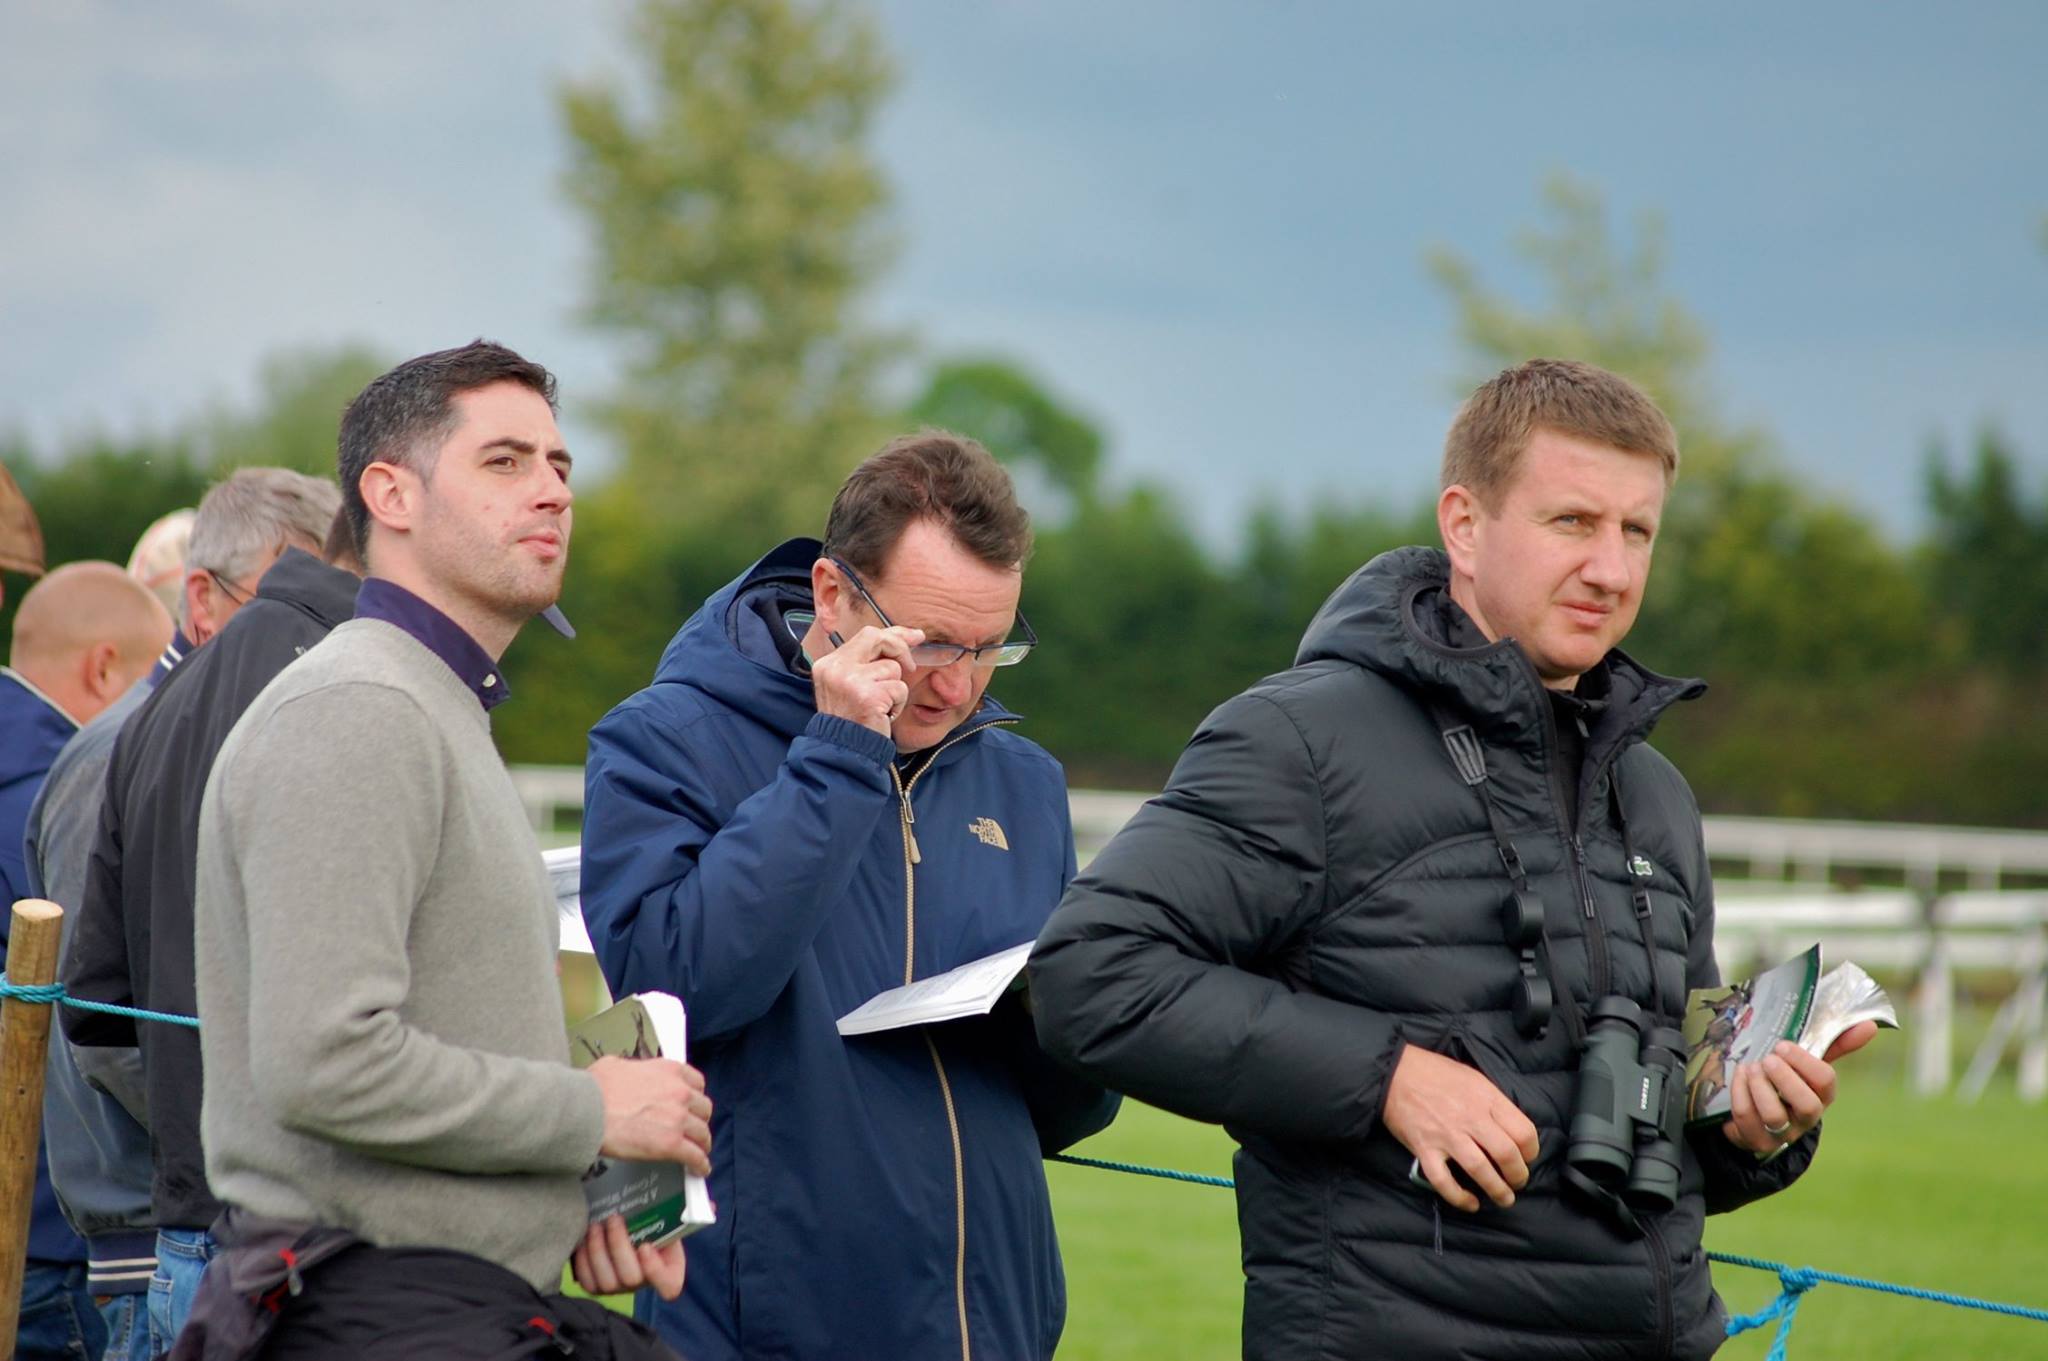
point(95, 495)
point(296, 416)
point(735, 214)
point(1986, 556)
point(1052, 451)
point(736, 220)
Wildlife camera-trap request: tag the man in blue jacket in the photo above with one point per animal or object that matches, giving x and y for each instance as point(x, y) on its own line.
point(82, 636)
point(816, 802)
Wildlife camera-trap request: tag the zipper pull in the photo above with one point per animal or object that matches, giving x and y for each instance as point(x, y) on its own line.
point(1579, 864)
point(910, 833)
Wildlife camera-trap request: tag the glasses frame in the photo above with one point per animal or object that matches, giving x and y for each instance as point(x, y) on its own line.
point(240, 595)
point(960, 650)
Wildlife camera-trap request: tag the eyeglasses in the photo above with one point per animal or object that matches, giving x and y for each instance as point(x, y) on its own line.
point(241, 595)
point(938, 655)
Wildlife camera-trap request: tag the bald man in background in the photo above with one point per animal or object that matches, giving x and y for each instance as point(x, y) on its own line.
point(83, 635)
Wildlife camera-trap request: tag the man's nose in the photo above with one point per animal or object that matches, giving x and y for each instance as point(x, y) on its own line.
point(551, 490)
point(952, 682)
point(1607, 566)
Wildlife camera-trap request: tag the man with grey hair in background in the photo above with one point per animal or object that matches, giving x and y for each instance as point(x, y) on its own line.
point(256, 594)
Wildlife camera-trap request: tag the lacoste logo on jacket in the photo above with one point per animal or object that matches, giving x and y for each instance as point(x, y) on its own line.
point(991, 833)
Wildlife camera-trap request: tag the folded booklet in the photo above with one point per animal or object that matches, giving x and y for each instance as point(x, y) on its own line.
point(659, 1200)
point(973, 989)
point(1795, 1001)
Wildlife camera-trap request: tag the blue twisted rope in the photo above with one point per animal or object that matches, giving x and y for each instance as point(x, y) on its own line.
point(1142, 1171)
point(1795, 1281)
point(1812, 1276)
point(47, 993)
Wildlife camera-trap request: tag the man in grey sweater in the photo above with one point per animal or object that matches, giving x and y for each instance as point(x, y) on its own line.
point(376, 936)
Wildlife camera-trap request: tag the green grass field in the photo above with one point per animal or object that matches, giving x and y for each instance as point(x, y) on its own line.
point(1932, 1194)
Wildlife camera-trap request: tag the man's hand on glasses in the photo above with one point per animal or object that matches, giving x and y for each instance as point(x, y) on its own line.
point(863, 679)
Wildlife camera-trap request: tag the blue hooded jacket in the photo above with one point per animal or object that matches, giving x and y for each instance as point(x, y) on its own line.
point(32, 731)
point(877, 1195)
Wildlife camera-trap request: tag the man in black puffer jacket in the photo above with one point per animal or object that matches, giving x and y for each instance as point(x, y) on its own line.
point(1303, 937)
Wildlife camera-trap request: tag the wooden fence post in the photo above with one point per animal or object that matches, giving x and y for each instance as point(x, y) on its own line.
point(24, 1044)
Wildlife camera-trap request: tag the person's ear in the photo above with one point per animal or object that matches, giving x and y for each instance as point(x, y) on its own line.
point(828, 595)
point(391, 494)
point(100, 672)
point(1460, 521)
point(202, 594)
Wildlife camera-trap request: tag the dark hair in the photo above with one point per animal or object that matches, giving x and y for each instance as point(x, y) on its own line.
point(932, 475)
point(339, 550)
point(1486, 440)
point(403, 416)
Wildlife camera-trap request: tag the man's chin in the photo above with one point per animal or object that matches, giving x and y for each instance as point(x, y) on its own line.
point(914, 734)
point(1573, 660)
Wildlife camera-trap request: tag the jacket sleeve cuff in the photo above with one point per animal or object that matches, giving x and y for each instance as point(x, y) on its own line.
point(844, 732)
point(1383, 1078)
point(1735, 1177)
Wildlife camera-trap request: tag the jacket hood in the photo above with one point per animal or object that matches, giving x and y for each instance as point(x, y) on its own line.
point(1395, 616)
point(727, 650)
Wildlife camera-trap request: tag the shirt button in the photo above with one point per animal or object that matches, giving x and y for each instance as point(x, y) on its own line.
point(490, 681)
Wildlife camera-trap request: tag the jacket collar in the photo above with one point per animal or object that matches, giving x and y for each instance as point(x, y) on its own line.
point(1395, 616)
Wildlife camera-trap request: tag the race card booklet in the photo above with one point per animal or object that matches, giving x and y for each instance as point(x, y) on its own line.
point(1795, 1001)
point(660, 1201)
point(973, 989)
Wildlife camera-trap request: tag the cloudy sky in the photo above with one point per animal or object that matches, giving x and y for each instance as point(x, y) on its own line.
point(1203, 224)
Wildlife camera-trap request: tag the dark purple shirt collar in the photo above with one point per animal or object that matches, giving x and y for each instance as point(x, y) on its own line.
point(442, 636)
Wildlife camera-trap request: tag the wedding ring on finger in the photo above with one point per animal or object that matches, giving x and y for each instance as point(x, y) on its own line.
point(1779, 1132)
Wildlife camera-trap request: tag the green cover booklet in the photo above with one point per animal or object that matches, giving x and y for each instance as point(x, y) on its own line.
point(660, 1201)
point(1794, 1001)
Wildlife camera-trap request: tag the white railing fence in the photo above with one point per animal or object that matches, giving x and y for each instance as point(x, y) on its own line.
point(1990, 937)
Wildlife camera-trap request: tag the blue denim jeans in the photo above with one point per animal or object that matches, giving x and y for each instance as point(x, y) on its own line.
point(128, 1333)
point(58, 1319)
point(181, 1258)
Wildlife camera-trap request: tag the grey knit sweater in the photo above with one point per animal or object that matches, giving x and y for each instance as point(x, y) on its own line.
point(376, 937)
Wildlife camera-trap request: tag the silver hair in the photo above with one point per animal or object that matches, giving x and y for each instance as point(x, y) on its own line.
point(254, 513)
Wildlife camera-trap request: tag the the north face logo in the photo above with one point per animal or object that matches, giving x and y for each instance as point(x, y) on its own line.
point(991, 833)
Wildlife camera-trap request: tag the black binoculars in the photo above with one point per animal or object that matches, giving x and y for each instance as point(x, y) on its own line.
point(1628, 1114)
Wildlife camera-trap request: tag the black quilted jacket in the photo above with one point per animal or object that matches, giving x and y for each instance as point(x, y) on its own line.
point(1317, 888)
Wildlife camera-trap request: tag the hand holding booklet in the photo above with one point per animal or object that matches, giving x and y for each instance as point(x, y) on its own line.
point(1728, 1026)
point(659, 1200)
point(973, 989)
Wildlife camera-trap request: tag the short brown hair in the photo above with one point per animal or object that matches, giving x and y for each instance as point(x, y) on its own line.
point(932, 475)
point(1492, 428)
point(403, 416)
